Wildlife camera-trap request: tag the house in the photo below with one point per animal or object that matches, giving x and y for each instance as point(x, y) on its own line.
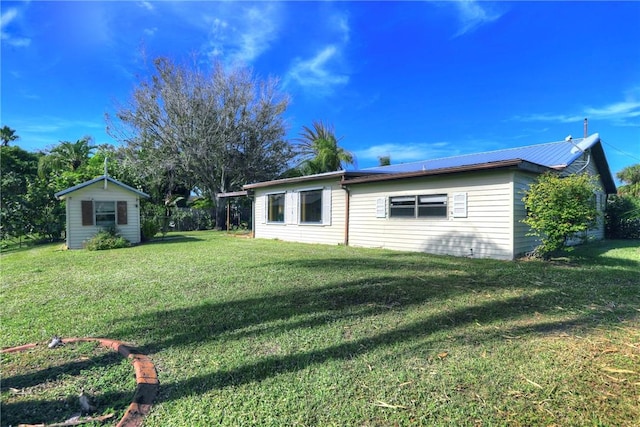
point(469, 205)
point(100, 203)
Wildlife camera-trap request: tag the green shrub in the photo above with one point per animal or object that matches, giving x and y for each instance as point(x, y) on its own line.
point(150, 227)
point(622, 217)
point(558, 209)
point(107, 239)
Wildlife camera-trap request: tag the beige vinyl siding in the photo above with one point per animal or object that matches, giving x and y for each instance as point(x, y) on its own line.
point(522, 243)
point(77, 234)
point(487, 231)
point(330, 232)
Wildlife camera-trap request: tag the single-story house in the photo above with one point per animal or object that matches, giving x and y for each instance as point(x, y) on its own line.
point(468, 205)
point(100, 203)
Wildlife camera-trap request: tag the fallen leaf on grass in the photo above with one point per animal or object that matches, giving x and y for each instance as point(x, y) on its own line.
point(511, 337)
point(443, 354)
point(533, 383)
point(388, 405)
point(618, 371)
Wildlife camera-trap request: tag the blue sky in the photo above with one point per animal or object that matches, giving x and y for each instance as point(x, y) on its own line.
point(412, 80)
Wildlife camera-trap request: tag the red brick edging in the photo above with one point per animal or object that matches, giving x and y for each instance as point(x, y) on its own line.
point(146, 377)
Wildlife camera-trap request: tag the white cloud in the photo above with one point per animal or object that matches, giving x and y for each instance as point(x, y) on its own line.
point(624, 113)
point(472, 14)
point(241, 36)
point(316, 73)
point(147, 5)
point(409, 152)
point(324, 71)
point(6, 18)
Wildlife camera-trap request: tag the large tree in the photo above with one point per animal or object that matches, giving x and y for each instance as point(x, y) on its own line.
point(215, 129)
point(319, 151)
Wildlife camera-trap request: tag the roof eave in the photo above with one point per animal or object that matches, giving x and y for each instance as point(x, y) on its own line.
point(515, 163)
point(61, 195)
point(341, 174)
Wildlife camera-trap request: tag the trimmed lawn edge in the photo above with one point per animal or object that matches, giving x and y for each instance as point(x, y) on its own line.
point(145, 371)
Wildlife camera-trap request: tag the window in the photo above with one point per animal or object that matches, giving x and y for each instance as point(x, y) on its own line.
point(426, 206)
point(275, 207)
point(433, 206)
point(311, 206)
point(402, 206)
point(105, 214)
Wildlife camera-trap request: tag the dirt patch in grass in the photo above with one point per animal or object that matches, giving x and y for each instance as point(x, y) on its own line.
point(42, 385)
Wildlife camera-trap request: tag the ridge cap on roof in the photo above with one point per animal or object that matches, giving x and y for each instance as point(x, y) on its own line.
point(417, 162)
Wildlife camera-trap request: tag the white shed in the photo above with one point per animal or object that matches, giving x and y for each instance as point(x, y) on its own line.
point(101, 203)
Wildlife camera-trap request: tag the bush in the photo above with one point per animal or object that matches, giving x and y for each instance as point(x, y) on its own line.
point(622, 218)
point(558, 209)
point(150, 227)
point(107, 239)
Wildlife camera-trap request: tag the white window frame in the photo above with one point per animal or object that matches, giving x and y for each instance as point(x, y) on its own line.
point(267, 207)
point(97, 212)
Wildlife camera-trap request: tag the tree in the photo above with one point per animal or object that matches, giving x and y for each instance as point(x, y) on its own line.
point(384, 160)
point(319, 150)
point(558, 208)
point(215, 130)
point(19, 168)
point(67, 156)
point(7, 135)
point(630, 176)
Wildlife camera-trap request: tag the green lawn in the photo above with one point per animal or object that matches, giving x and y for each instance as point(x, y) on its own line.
point(255, 332)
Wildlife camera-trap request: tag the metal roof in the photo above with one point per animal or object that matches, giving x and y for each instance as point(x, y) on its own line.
point(556, 155)
point(63, 193)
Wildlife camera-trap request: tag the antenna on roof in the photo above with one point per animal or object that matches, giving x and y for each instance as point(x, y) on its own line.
point(586, 127)
point(106, 172)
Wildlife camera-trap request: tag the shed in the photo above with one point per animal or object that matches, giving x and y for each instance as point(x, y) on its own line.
point(100, 203)
point(468, 205)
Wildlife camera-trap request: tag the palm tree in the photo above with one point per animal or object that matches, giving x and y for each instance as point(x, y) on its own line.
point(630, 176)
point(69, 156)
point(7, 135)
point(319, 150)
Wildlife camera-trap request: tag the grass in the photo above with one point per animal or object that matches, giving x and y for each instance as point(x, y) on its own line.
point(255, 332)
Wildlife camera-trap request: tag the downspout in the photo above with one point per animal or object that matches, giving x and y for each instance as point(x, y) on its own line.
point(346, 213)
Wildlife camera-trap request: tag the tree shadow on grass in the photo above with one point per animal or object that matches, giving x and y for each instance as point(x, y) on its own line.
point(175, 238)
point(441, 281)
point(24, 404)
point(41, 412)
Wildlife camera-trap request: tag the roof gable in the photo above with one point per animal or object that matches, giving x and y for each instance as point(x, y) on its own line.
point(62, 194)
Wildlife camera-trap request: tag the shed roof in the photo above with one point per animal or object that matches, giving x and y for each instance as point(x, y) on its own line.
point(62, 194)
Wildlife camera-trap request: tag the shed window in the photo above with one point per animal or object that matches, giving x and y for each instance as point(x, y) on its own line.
point(275, 208)
point(105, 214)
point(311, 206)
